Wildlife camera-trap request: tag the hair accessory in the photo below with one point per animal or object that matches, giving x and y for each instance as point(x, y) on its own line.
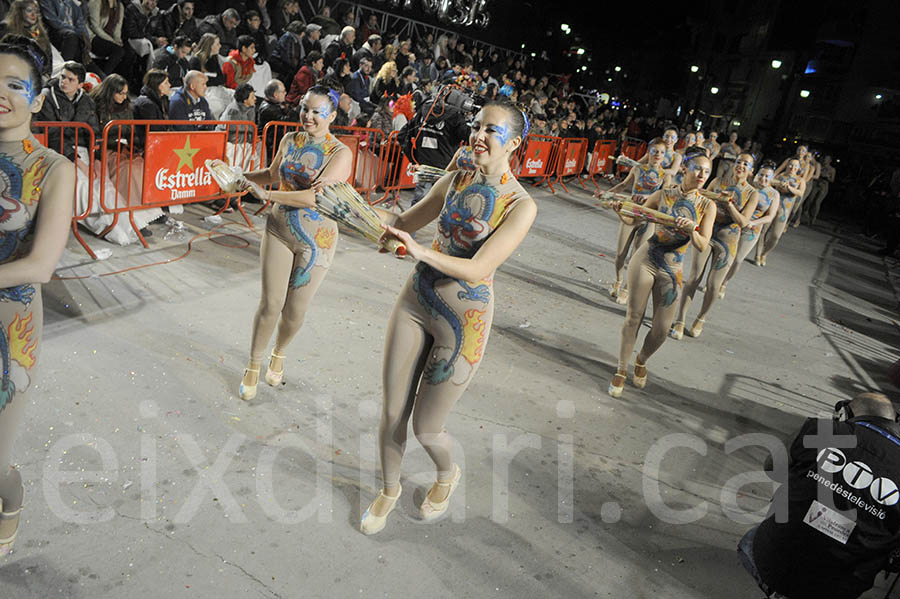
point(335, 97)
point(527, 126)
point(37, 57)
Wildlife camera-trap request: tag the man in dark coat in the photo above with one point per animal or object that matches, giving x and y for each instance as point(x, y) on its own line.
point(64, 100)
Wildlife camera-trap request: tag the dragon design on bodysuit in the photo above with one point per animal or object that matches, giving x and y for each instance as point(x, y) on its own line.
point(668, 159)
point(787, 200)
point(7, 386)
point(300, 166)
point(9, 243)
point(301, 275)
point(761, 208)
point(466, 222)
point(723, 248)
point(669, 241)
point(466, 159)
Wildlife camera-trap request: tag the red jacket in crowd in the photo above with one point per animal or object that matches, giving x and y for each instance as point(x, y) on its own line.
point(303, 80)
point(237, 70)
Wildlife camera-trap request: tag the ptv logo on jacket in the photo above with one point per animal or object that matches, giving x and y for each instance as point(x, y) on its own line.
point(856, 474)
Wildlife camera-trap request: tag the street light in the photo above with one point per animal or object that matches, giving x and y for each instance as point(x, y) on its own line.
point(804, 93)
point(776, 64)
point(878, 96)
point(617, 69)
point(580, 51)
point(694, 68)
point(714, 90)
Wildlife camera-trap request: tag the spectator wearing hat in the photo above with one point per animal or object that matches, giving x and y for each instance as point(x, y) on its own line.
point(311, 42)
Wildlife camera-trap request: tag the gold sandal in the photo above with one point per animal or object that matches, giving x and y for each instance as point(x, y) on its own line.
point(274, 377)
point(248, 392)
point(697, 328)
point(370, 524)
point(615, 390)
point(9, 527)
point(431, 510)
point(639, 378)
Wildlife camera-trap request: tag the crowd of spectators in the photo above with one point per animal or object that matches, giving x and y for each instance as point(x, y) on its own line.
point(199, 60)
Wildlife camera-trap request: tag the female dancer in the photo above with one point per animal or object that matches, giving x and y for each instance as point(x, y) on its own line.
point(30, 176)
point(644, 180)
point(690, 142)
point(723, 247)
point(728, 153)
point(656, 265)
point(671, 162)
point(790, 185)
point(298, 245)
point(821, 191)
point(441, 321)
point(766, 209)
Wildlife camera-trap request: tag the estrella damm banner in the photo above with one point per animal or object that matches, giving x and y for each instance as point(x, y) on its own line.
point(536, 158)
point(174, 167)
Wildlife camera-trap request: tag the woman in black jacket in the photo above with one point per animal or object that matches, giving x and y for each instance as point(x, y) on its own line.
point(152, 104)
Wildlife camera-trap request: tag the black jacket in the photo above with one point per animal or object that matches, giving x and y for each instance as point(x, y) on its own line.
point(135, 24)
point(169, 24)
point(213, 24)
point(819, 553)
point(436, 139)
point(270, 112)
point(176, 67)
point(335, 50)
point(212, 66)
point(58, 107)
point(149, 106)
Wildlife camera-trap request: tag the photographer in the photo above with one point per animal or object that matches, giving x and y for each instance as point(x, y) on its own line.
point(434, 135)
point(841, 500)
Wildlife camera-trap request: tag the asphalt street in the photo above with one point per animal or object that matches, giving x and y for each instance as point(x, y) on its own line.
point(148, 477)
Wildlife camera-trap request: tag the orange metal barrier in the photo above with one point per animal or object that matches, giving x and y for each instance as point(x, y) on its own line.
point(367, 145)
point(396, 169)
point(81, 132)
point(602, 160)
point(536, 157)
point(571, 156)
point(634, 149)
point(165, 154)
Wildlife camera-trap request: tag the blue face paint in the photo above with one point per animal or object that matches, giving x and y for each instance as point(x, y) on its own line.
point(23, 87)
point(322, 112)
point(501, 132)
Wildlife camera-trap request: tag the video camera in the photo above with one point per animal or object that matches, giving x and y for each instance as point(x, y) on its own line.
point(459, 99)
point(439, 126)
